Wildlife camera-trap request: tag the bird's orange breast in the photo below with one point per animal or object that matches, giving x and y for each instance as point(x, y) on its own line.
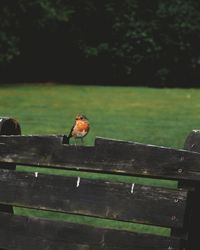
point(81, 125)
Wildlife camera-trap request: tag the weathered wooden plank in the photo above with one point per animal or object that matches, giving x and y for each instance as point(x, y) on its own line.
point(119, 201)
point(19, 232)
point(108, 156)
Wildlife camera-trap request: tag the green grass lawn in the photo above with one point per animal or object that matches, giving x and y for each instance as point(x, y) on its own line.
point(147, 115)
point(154, 116)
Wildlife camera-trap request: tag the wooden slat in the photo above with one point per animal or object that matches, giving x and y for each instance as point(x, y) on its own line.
point(119, 201)
point(108, 156)
point(18, 232)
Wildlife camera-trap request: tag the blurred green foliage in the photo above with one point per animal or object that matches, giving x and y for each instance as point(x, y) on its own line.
point(19, 18)
point(140, 41)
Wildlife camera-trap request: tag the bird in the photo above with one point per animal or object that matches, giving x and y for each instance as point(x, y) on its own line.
point(79, 130)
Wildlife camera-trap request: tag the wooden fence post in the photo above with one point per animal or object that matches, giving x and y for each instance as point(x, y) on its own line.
point(192, 143)
point(8, 126)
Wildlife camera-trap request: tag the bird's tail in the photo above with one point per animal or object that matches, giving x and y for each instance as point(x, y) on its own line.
point(66, 139)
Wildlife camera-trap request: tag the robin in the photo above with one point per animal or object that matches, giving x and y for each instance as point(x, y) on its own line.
point(79, 130)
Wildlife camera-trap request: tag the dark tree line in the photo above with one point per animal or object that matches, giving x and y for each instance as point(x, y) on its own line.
point(104, 42)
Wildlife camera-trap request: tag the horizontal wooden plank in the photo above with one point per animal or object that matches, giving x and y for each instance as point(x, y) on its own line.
point(108, 156)
point(118, 201)
point(19, 232)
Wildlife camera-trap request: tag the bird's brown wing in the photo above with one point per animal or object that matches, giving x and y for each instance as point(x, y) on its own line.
point(66, 138)
point(70, 133)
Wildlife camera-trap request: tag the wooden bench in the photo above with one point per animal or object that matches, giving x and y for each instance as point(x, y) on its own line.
point(176, 209)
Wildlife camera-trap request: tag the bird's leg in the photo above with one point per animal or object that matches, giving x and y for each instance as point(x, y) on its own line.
point(75, 141)
point(82, 142)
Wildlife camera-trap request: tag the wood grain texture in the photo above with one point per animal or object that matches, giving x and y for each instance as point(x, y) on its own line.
point(103, 199)
point(8, 126)
point(19, 232)
point(107, 156)
point(119, 201)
